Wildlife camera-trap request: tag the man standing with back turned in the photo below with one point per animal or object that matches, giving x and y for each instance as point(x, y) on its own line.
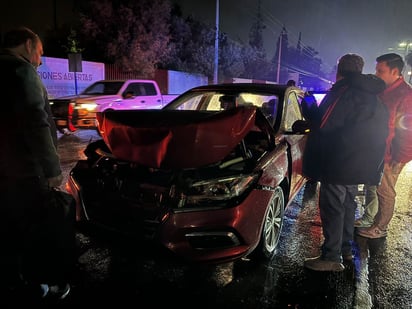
point(398, 98)
point(345, 148)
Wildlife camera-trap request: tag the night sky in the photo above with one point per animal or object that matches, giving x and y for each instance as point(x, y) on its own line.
point(331, 27)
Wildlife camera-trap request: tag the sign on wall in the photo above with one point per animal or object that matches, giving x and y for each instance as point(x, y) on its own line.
point(54, 72)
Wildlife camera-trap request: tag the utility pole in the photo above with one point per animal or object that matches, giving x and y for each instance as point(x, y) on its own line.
point(216, 67)
point(279, 57)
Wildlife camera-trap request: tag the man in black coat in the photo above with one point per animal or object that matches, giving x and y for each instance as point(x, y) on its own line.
point(29, 166)
point(345, 148)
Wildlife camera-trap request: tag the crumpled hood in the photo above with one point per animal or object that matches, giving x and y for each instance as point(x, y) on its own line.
point(172, 138)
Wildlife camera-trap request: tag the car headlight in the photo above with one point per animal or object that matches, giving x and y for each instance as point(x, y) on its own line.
point(91, 107)
point(211, 192)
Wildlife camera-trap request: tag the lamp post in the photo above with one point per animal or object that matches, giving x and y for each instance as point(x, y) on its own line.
point(279, 58)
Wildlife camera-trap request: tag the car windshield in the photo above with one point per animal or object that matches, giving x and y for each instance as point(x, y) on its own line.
point(108, 87)
point(217, 101)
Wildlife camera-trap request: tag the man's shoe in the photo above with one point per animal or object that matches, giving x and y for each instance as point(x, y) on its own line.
point(44, 290)
point(362, 223)
point(55, 291)
point(372, 232)
point(323, 265)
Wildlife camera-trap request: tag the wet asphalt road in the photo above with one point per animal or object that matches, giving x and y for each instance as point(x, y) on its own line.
point(111, 273)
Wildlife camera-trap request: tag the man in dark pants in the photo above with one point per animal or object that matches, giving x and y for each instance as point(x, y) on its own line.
point(29, 167)
point(345, 148)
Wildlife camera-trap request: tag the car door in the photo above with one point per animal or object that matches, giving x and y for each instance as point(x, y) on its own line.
point(292, 112)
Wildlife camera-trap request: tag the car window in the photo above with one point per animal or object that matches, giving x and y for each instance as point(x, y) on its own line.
point(141, 89)
point(103, 88)
point(270, 109)
point(212, 101)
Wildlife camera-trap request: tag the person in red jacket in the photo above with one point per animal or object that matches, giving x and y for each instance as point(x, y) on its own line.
point(398, 98)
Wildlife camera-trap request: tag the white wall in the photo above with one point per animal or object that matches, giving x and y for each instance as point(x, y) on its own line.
point(59, 82)
point(179, 82)
point(54, 72)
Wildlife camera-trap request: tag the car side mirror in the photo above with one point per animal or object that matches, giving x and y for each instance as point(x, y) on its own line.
point(301, 127)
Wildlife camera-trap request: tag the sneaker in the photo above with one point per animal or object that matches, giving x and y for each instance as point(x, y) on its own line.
point(362, 223)
point(44, 290)
point(372, 232)
point(55, 291)
point(323, 265)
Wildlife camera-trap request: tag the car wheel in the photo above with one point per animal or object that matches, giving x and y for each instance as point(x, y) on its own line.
point(272, 226)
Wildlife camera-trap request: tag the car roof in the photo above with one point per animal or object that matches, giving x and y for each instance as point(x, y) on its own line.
point(244, 86)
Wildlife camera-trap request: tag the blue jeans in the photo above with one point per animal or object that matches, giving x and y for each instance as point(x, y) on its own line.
point(337, 211)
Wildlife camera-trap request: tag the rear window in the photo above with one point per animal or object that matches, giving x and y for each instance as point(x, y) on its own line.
point(100, 88)
point(141, 89)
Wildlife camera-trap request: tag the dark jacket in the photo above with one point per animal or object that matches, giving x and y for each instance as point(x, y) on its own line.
point(27, 133)
point(347, 147)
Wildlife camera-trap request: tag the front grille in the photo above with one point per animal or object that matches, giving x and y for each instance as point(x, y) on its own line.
point(139, 214)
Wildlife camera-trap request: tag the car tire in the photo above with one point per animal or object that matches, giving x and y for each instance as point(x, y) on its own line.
point(272, 226)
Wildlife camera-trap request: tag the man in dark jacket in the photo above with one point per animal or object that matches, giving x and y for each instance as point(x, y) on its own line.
point(29, 163)
point(344, 149)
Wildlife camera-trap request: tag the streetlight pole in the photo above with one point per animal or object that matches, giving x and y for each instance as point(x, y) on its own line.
point(215, 73)
point(279, 57)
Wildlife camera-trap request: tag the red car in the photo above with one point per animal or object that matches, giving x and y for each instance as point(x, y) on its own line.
point(207, 177)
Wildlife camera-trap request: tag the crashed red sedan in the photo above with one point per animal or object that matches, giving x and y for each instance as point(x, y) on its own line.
point(207, 177)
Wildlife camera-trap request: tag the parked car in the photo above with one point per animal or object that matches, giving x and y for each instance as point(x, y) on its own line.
point(207, 180)
point(79, 111)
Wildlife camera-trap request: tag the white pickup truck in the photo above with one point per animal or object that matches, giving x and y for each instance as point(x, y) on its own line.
point(79, 111)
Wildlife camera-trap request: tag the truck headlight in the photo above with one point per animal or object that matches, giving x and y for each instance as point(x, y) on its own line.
point(91, 107)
